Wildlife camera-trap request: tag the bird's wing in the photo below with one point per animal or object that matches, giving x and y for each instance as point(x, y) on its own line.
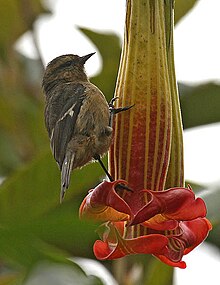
point(63, 129)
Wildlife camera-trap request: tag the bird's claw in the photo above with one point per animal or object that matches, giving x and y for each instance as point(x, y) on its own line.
point(124, 187)
point(114, 110)
point(111, 103)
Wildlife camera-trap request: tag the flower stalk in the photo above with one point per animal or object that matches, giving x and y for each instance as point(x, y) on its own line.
point(140, 154)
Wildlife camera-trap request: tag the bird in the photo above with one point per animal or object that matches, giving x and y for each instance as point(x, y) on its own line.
point(78, 117)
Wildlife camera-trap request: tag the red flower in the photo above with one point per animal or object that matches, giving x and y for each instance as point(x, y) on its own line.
point(168, 223)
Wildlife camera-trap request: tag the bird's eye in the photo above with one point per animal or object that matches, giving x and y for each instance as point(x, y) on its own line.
point(67, 64)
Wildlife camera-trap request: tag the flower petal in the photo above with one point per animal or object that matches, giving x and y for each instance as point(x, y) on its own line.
point(161, 223)
point(103, 203)
point(181, 264)
point(149, 244)
point(174, 203)
point(194, 232)
point(191, 234)
point(168, 246)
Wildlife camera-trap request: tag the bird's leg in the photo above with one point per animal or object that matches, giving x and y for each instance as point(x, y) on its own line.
point(114, 111)
point(98, 158)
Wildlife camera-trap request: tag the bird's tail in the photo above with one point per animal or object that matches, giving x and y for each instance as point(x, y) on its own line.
point(65, 173)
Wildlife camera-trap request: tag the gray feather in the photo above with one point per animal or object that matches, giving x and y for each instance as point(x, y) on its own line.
point(61, 128)
point(65, 173)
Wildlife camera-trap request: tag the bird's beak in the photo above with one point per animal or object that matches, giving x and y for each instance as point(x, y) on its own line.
point(84, 58)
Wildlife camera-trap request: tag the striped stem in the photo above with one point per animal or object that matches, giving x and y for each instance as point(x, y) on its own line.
point(140, 151)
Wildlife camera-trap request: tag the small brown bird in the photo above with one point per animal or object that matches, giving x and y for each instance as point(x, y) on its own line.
point(77, 116)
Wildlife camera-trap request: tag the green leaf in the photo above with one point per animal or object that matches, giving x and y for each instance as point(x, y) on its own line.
point(211, 196)
point(10, 278)
point(16, 18)
point(31, 216)
point(21, 113)
point(34, 189)
point(197, 187)
point(9, 156)
point(158, 273)
point(200, 104)
point(182, 7)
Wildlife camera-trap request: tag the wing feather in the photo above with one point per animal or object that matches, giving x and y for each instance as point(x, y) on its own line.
point(65, 174)
point(63, 129)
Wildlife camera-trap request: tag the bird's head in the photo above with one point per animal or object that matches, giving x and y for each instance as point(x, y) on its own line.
point(66, 68)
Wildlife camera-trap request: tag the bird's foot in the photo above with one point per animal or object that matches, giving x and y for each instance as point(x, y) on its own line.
point(121, 186)
point(114, 110)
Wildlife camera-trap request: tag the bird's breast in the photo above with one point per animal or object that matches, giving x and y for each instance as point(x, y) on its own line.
point(94, 113)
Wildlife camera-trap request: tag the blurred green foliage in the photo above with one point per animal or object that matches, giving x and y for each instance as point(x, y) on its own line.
point(34, 227)
point(182, 7)
point(200, 104)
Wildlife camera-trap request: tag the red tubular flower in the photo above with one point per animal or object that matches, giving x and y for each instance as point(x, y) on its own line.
point(169, 225)
point(161, 216)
